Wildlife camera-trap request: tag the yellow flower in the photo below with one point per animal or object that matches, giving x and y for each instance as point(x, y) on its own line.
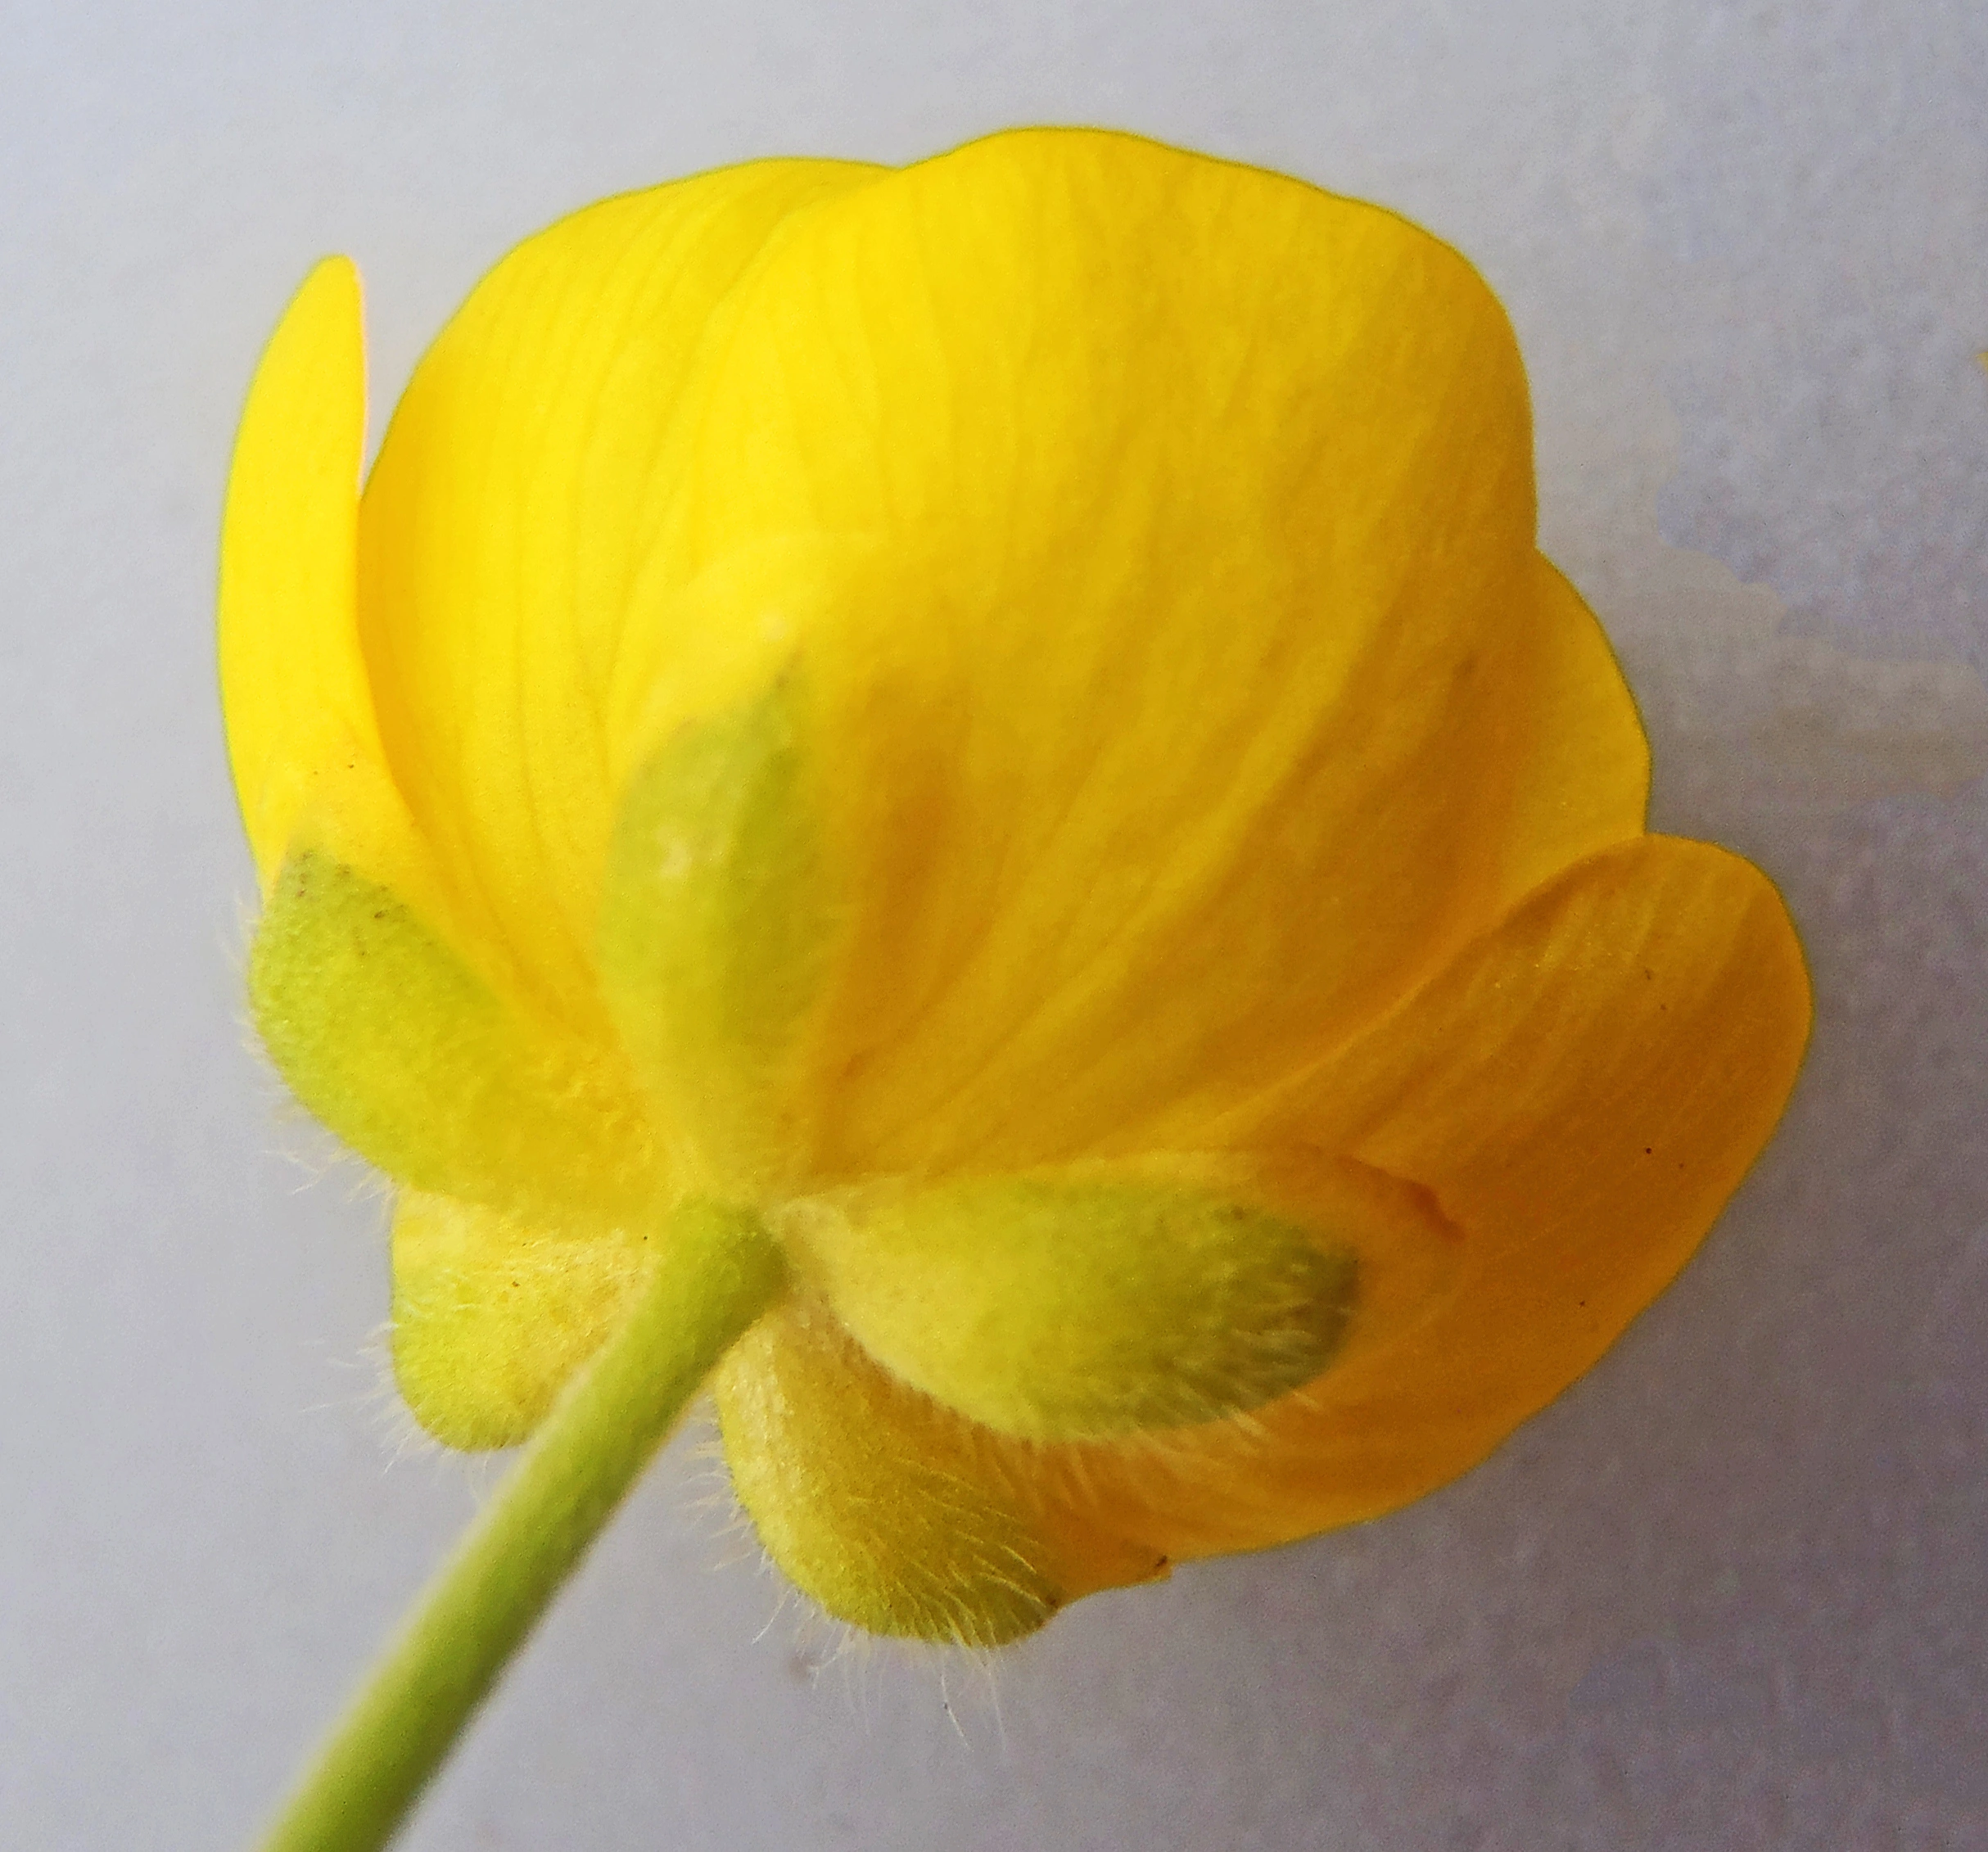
point(1002, 720)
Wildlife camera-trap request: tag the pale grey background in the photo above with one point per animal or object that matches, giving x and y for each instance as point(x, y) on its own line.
point(1728, 1592)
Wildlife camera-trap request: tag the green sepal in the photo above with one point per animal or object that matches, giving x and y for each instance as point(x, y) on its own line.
point(412, 1060)
point(714, 930)
point(887, 1510)
point(1083, 1303)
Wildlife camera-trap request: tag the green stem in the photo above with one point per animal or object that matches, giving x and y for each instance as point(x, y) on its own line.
point(717, 1271)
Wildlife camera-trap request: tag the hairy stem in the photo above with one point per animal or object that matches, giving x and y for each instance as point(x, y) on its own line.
point(717, 1270)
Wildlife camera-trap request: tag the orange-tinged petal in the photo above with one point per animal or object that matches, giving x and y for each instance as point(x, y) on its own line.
point(1580, 1091)
point(1584, 779)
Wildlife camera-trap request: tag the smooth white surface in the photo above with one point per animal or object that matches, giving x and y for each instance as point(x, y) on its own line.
point(1730, 1592)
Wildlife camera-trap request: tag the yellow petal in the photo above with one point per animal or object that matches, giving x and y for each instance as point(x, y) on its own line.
point(292, 683)
point(893, 1513)
point(505, 535)
point(1188, 677)
point(406, 1044)
point(302, 733)
point(490, 1315)
point(1580, 1092)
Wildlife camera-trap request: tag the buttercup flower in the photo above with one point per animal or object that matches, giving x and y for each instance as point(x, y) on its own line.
point(977, 766)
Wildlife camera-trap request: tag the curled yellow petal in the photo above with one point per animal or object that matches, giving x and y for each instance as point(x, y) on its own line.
point(293, 685)
point(295, 690)
point(398, 1024)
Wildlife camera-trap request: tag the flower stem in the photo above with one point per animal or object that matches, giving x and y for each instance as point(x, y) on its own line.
point(717, 1271)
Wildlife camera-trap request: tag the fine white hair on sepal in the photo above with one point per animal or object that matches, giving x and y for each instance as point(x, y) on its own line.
point(961, 1677)
point(400, 1435)
point(480, 1475)
point(708, 1501)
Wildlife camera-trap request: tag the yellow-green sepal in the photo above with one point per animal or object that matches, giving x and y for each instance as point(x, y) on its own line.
point(406, 1053)
point(1085, 1301)
point(890, 1512)
point(714, 929)
point(493, 1315)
